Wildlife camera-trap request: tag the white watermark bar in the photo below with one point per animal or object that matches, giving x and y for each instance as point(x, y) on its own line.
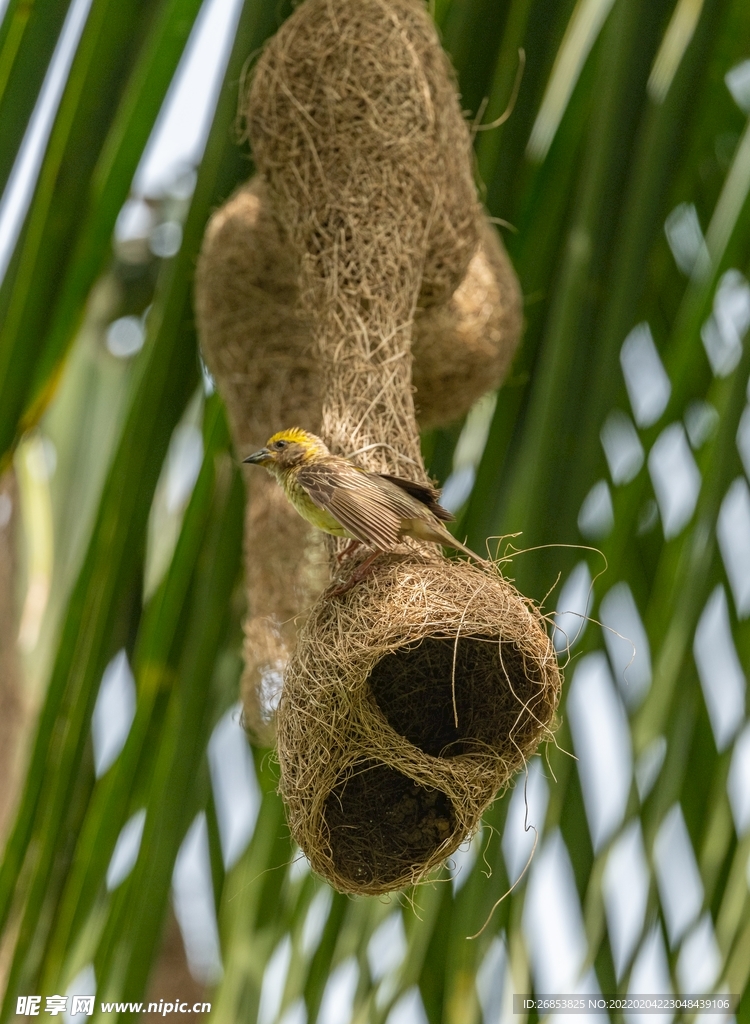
point(562, 1003)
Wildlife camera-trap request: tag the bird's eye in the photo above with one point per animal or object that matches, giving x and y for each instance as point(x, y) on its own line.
point(279, 445)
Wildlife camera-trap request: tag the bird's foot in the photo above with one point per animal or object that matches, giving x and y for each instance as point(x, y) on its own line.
point(349, 550)
point(360, 573)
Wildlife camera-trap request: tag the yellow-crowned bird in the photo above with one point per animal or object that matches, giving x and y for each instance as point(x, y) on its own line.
point(341, 498)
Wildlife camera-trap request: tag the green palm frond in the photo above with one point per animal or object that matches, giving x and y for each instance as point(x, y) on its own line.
point(623, 116)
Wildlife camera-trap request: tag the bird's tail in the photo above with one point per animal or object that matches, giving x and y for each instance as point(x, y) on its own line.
point(437, 533)
point(451, 542)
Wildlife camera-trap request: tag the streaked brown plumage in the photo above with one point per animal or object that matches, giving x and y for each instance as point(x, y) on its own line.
point(337, 496)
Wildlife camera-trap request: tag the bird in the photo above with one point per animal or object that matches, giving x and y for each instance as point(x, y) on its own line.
point(345, 500)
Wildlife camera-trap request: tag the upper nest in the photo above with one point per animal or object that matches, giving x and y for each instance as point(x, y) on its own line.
point(354, 120)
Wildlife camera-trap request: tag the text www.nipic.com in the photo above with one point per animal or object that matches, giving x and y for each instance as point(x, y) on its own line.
point(31, 1006)
point(160, 1007)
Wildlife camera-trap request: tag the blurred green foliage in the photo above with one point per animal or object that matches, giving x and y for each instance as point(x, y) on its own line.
point(622, 114)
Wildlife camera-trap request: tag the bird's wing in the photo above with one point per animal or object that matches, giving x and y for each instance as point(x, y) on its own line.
point(371, 508)
point(429, 496)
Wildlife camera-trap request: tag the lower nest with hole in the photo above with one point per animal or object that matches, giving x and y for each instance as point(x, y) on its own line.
point(408, 705)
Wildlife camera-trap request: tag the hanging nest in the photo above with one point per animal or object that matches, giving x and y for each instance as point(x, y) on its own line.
point(408, 705)
point(464, 347)
point(257, 341)
point(412, 699)
point(349, 148)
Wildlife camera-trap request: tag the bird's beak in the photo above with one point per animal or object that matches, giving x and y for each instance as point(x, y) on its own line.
point(258, 458)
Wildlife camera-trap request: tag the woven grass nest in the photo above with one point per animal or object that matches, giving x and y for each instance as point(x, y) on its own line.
point(411, 699)
point(380, 782)
point(258, 343)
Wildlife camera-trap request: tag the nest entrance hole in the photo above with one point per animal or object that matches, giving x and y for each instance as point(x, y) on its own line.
point(414, 687)
point(383, 826)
